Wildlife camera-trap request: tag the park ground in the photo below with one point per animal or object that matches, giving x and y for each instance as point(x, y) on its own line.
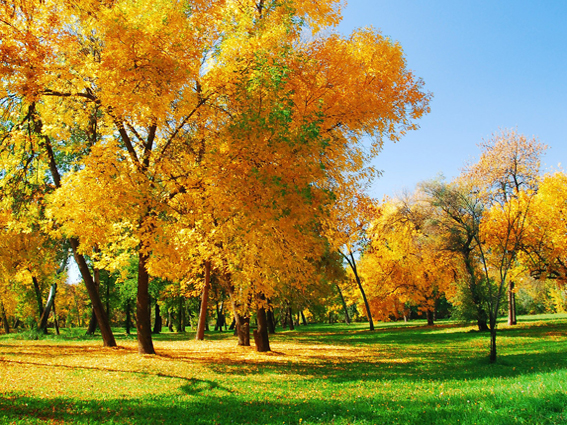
point(319, 374)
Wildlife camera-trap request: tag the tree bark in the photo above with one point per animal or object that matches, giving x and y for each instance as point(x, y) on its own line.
point(271, 322)
point(204, 303)
point(429, 315)
point(511, 305)
point(303, 319)
point(347, 317)
point(243, 330)
point(38, 299)
point(180, 316)
point(290, 318)
point(261, 338)
point(103, 324)
point(143, 320)
point(493, 345)
point(128, 317)
point(352, 263)
point(4, 318)
point(47, 309)
point(55, 320)
point(169, 320)
point(157, 319)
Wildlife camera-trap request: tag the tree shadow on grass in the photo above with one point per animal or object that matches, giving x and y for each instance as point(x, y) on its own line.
point(209, 408)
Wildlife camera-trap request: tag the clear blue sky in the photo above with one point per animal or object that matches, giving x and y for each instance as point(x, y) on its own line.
point(490, 64)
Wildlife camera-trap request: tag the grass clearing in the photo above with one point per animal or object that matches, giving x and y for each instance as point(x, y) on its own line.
point(400, 373)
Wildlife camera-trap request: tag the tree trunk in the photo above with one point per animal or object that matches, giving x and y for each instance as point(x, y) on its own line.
point(511, 305)
point(290, 318)
point(107, 296)
point(221, 319)
point(429, 315)
point(261, 338)
point(271, 322)
point(128, 317)
point(38, 300)
point(157, 319)
point(180, 316)
point(232, 325)
point(169, 320)
point(55, 321)
point(47, 309)
point(347, 317)
point(243, 330)
point(493, 345)
point(303, 319)
point(352, 263)
point(143, 320)
point(4, 318)
point(204, 303)
point(104, 326)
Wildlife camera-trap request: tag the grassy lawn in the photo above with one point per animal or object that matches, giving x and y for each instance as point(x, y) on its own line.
point(319, 374)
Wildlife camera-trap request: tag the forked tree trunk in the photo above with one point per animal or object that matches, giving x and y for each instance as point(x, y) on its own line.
point(204, 303)
point(261, 337)
point(143, 320)
point(511, 305)
point(352, 262)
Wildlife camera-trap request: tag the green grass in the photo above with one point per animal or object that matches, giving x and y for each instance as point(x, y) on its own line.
point(319, 374)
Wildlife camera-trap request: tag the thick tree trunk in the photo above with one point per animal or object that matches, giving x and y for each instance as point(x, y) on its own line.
point(261, 338)
point(204, 303)
point(429, 315)
point(143, 320)
point(243, 330)
point(47, 309)
point(4, 318)
point(157, 319)
point(511, 305)
point(347, 317)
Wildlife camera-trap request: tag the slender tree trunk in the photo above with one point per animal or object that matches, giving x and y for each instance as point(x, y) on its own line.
point(303, 319)
point(352, 263)
point(103, 324)
point(232, 325)
point(47, 309)
point(511, 305)
point(128, 317)
point(271, 322)
point(38, 299)
point(290, 318)
point(157, 319)
point(4, 318)
point(493, 345)
point(347, 317)
point(169, 320)
point(261, 338)
point(143, 320)
point(180, 316)
point(55, 321)
point(204, 303)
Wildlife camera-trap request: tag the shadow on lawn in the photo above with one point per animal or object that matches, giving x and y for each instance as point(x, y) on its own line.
point(210, 408)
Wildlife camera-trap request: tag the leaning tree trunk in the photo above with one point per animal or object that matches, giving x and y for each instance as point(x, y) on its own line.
point(38, 299)
point(47, 309)
point(204, 303)
point(511, 305)
point(347, 317)
point(55, 320)
point(143, 320)
point(93, 321)
point(103, 324)
point(261, 337)
point(352, 263)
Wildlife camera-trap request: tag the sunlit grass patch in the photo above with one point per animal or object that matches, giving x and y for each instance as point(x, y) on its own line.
point(319, 374)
